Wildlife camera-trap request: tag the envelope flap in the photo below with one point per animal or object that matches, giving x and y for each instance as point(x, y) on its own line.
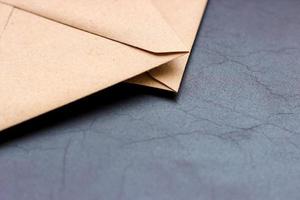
point(133, 22)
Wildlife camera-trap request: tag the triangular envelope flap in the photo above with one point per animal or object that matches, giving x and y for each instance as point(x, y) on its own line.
point(134, 22)
point(45, 65)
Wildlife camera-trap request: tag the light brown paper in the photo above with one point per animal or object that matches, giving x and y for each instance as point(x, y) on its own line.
point(78, 50)
point(184, 16)
point(133, 22)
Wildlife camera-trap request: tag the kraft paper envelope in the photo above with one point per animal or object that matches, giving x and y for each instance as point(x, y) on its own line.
point(53, 52)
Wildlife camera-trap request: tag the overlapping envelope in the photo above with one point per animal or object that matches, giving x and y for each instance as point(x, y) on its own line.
point(53, 52)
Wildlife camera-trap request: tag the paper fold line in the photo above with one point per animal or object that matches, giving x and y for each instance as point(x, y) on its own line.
point(133, 22)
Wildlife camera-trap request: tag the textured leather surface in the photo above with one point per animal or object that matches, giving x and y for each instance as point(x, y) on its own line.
point(233, 132)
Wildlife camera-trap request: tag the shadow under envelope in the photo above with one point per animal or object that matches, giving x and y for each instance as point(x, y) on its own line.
point(98, 102)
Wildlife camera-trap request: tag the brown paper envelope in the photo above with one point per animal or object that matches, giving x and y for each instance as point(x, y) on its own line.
point(127, 21)
point(46, 64)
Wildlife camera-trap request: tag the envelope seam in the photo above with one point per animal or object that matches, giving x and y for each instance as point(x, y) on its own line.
point(155, 79)
point(165, 19)
point(7, 21)
point(99, 35)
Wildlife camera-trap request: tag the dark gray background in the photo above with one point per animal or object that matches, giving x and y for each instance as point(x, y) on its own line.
point(233, 132)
